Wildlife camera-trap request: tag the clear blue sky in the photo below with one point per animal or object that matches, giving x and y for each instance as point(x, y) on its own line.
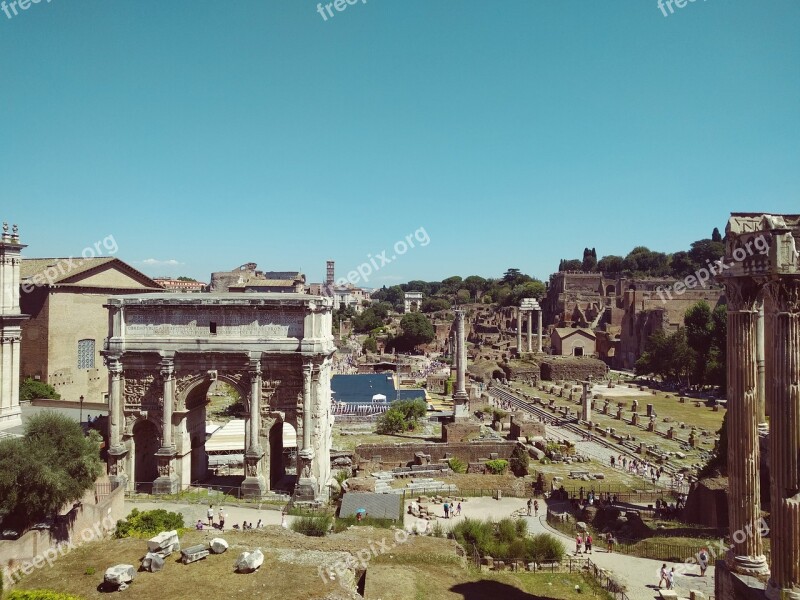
point(515, 133)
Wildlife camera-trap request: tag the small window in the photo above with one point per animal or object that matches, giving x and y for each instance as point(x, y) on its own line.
point(86, 354)
point(213, 327)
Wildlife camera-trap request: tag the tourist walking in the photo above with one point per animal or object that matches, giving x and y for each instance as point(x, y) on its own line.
point(530, 506)
point(664, 578)
point(210, 515)
point(609, 542)
point(703, 561)
point(221, 518)
point(588, 543)
point(578, 543)
point(458, 510)
point(671, 579)
point(535, 508)
point(446, 510)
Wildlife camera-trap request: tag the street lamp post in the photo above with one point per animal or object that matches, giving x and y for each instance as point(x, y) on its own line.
point(81, 417)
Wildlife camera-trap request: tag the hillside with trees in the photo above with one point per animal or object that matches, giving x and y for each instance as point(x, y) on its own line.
point(643, 262)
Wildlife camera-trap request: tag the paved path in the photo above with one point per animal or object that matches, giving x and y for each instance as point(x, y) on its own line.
point(639, 575)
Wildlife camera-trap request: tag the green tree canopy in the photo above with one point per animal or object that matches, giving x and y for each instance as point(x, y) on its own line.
point(51, 465)
point(417, 329)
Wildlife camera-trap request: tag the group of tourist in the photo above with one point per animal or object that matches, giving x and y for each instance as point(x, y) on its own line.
point(451, 511)
point(634, 466)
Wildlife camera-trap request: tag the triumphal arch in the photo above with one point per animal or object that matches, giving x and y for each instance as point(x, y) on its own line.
point(165, 350)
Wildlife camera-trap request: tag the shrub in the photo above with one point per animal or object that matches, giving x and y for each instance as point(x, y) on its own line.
point(392, 421)
point(497, 467)
point(519, 461)
point(316, 526)
point(30, 389)
point(40, 595)
point(458, 466)
point(437, 530)
point(148, 523)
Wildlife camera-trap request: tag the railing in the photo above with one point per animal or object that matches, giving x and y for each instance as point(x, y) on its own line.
point(565, 565)
point(565, 522)
point(205, 494)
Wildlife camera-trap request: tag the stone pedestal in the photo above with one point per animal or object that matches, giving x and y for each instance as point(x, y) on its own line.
point(306, 488)
point(116, 468)
point(253, 485)
point(167, 481)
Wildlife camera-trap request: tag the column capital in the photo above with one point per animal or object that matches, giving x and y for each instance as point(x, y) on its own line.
point(167, 369)
point(114, 364)
point(784, 294)
point(254, 366)
point(742, 293)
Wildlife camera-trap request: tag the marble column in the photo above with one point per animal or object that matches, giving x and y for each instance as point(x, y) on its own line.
point(539, 330)
point(783, 399)
point(167, 481)
point(117, 450)
point(254, 484)
point(744, 512)
point(519, 331)
point(460, 398)
point(306, 489)
point(760, 364)
point(530, 331)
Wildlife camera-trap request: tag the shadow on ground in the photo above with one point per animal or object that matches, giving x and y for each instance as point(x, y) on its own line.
point(487, 589)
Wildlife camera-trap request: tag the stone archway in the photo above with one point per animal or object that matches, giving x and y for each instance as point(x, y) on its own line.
point(165, 351)
point(145, 439)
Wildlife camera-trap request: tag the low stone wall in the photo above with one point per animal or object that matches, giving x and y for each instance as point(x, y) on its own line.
point(86, 521)
point(402, 455)
point(460, 432)
point(572, 369)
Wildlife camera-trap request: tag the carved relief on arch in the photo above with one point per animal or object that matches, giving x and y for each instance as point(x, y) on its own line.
point(142, 390)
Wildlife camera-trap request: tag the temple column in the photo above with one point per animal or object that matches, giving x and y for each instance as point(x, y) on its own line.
point(530, 331)
point(783, 400)
point(167, 482)
point(746, 555)
point(306, 489)
point(539, 329)
point(762, 395)
point(519, 331)
point(254, 484)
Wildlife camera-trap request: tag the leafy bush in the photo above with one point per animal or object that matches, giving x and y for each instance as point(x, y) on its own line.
point(403, 415)
point(458, 466)
point(519, 461)
point(148, 523)
point(507, 539)
point(437, 530)
point(316, 526)
point(370, 345)
point(497, 467)
point(31, 389)
point(40, 595)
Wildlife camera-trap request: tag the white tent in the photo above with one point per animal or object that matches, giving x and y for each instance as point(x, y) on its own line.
point(378, 398)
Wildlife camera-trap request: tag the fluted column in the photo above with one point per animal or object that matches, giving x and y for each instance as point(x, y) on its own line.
point(168, 376)
point(519, 331)
point(761, 367)
point(783, 398)
point(307, 370)
point(255, 406)
point(539, 329)
point(747, 554)
point(114, 403)
point(530, 331)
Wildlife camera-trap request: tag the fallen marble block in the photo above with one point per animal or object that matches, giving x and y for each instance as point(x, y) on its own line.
point(248, 562)
point(218, 545)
